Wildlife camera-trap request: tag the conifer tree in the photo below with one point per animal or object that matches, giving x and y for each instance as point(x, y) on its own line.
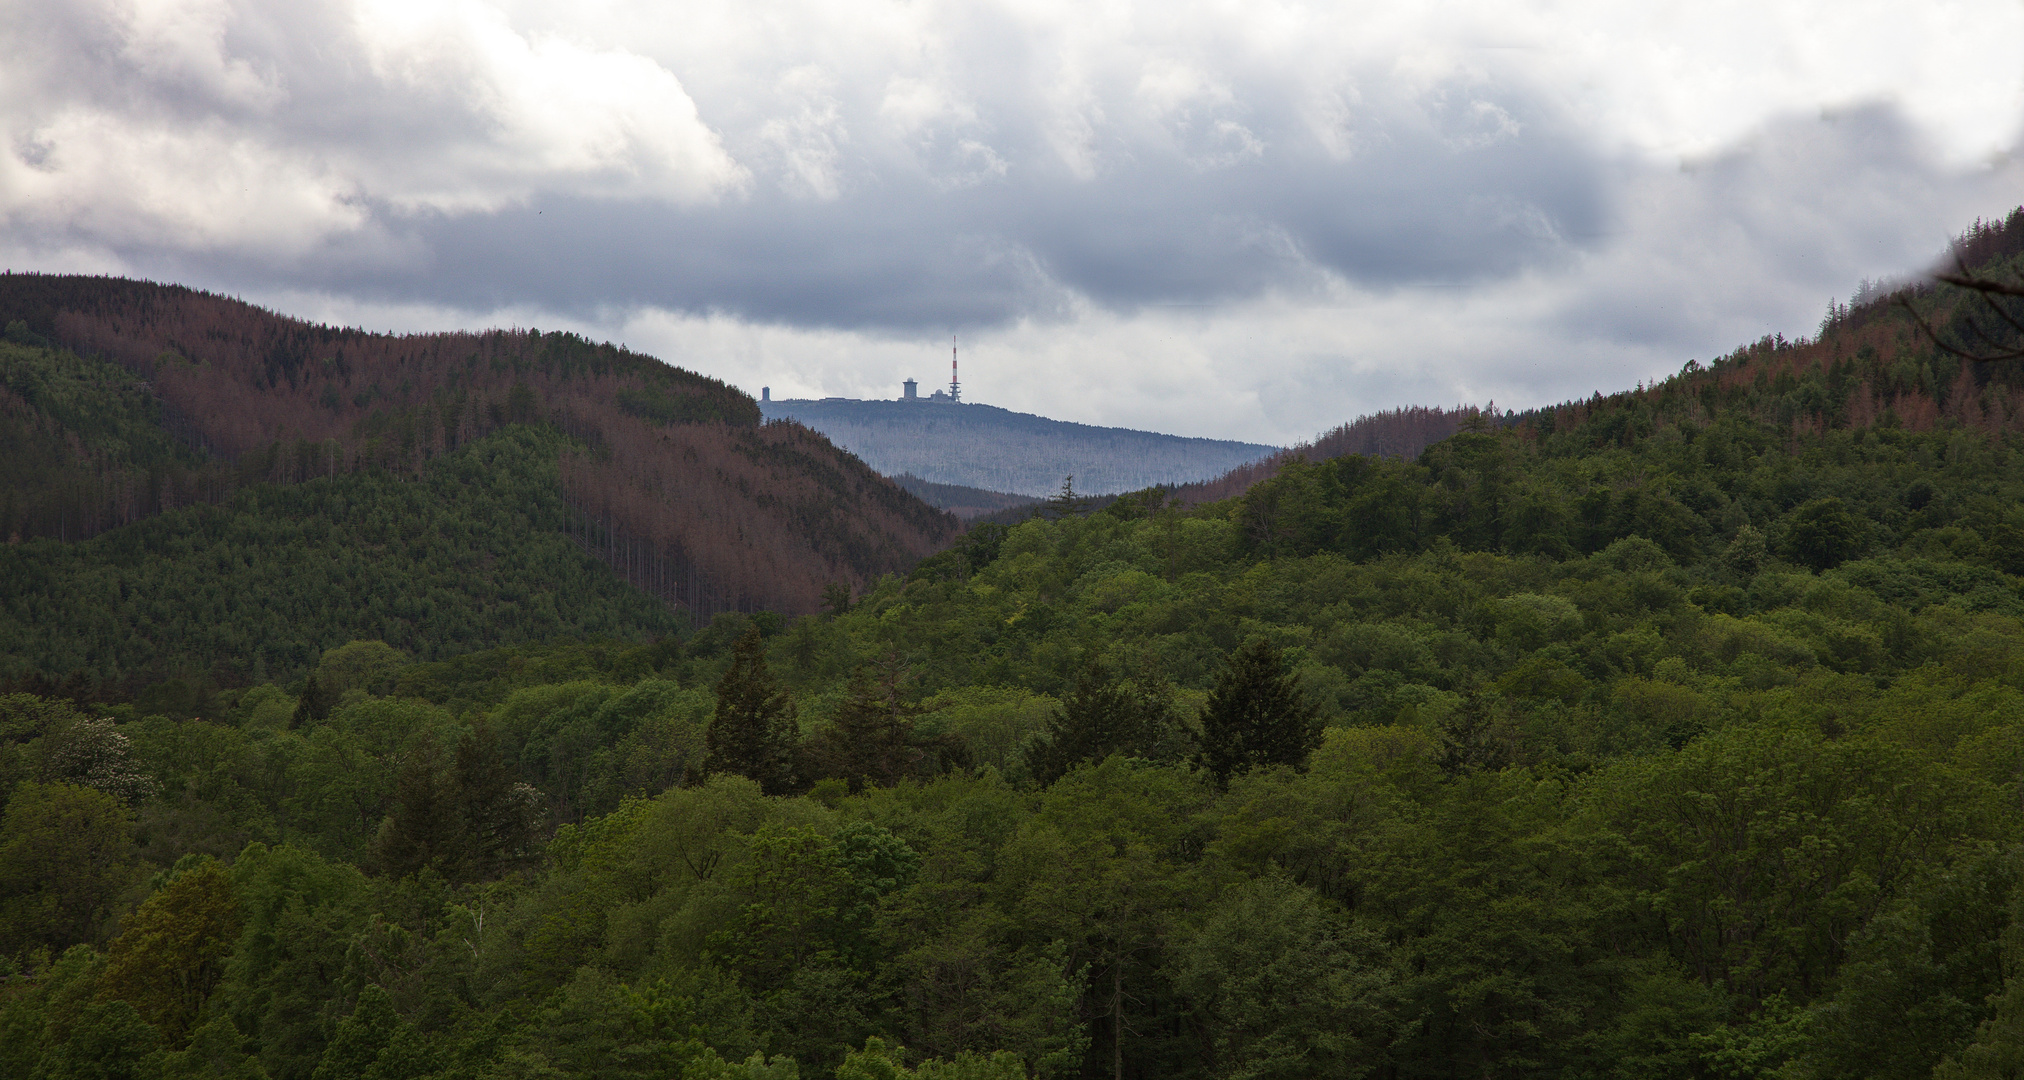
point(422, 828)
point(836, 598)
point(1257, 715)
point(753, 731)
point(465, 816)
point(498, 812)
point(1104, 715)
point(1067, 503)
point(315, 703)
point(873, 739)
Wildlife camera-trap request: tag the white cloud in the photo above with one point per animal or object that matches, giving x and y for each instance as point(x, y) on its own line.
point(1250, 220)
point(252, 129)
point(182, 42)
point(537, 110)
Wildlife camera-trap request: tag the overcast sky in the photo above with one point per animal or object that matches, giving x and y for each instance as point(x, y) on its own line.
point(1246, 220)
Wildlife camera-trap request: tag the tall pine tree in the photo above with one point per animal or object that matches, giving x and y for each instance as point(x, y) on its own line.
point(753, 732)
point(314, 705)
point(1104, 715)
point(873, 738)
point(874, 741)
point(1257, 715)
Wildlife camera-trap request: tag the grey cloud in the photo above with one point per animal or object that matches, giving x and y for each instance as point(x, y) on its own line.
point(1759, 238)
point(1467, 234)
point(969, 218)
point(898, 250)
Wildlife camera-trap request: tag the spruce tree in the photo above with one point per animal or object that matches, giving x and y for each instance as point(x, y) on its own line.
point(422, 827)
point(873, 741)
point(314, 705)
point(1067, 503)
point(753, 731)
point(1106, 714)
point(1256, 716)
point(498, 811)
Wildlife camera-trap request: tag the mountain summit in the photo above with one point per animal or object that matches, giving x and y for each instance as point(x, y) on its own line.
point(984, 446)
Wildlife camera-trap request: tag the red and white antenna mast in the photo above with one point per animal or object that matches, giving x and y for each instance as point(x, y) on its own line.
point(955, 387)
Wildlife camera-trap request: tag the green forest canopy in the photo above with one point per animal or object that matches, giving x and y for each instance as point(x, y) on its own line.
point(1679, 735)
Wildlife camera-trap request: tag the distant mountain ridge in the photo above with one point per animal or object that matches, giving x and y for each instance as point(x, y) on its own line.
point(984, 446)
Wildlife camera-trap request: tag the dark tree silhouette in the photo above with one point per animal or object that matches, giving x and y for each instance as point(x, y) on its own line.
point(753, 733)
point(314, 704)
point(836, 598)
point(874, 741)
point(1104, 715)
point(1257, 715)
point(1823, 534)
point(1066, 503)
point(463, 815)
point(421, 829)
point(497, 810)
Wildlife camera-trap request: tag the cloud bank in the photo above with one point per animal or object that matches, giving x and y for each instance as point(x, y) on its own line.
point(1246, 221)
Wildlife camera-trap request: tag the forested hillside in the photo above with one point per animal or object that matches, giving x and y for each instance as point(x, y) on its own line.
point(1858, 371)
point(1393, 433)
point(1676, 733)
point(479, 550)
point(696, 500)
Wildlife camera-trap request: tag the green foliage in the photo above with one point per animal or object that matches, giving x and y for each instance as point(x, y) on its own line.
point(314, 704)
point(1290, 990)
point(753, 731)
point(109, 1041)
point(1823, 534)
point(474, 555)
point(878, 1061)
point(1651, 737)
point(463, 815)
point(1257, 716)
point(1108, 715)
point(873, 737)
point(376, 1043)
point(172, 949)
point(66, 859)
point(664, 407)
point(54, 743)
point(371, 666)
point(82, 446)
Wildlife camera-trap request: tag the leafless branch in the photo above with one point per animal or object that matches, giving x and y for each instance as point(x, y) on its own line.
point(1991, 292)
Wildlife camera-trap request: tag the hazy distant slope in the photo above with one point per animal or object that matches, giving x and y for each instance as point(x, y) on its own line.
point(983, 446)
point(692, 498)
point(1397, 433)
point(964, 502)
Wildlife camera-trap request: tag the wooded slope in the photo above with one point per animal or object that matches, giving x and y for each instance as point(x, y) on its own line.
point(1870, 364)
point(685, 491)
